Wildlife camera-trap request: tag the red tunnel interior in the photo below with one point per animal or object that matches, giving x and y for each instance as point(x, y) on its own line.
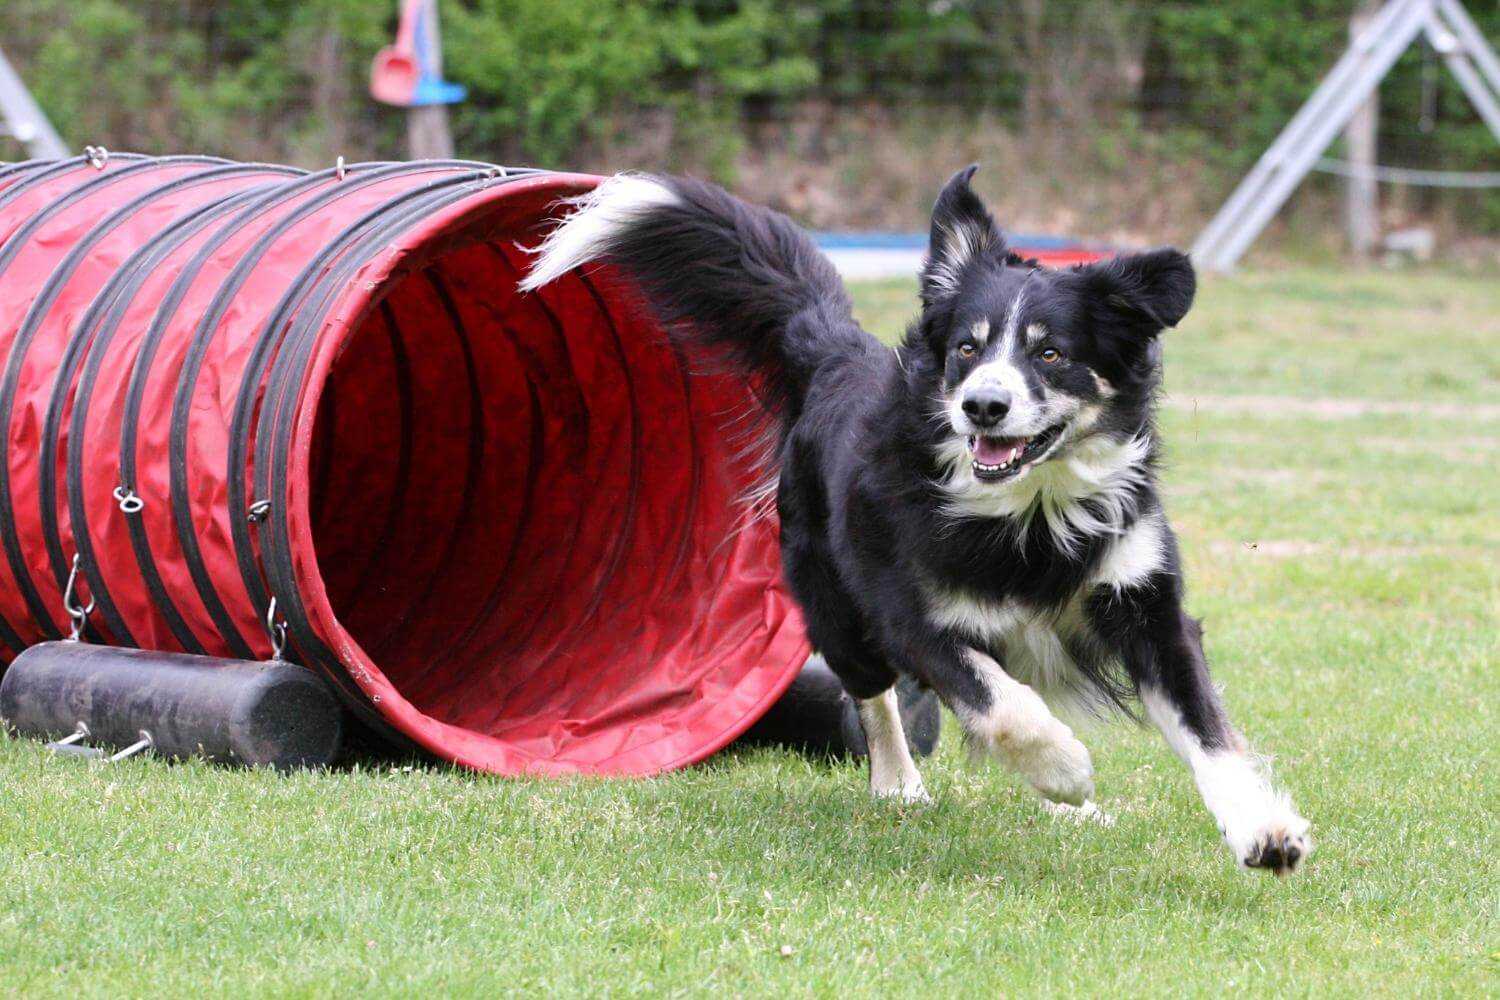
point(528, 511)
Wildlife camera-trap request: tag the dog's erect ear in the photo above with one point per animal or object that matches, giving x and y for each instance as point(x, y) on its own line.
point(1143, 292)
point(962, 232)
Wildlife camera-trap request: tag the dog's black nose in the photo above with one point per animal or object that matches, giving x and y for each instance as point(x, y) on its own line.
point(986, 406)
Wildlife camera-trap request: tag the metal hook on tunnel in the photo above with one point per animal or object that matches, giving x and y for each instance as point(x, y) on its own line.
point(78, 613)
point(129, 501)
point(277, 631)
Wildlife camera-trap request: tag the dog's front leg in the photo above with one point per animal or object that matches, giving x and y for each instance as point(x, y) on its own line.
point(1012, 723)
point(1000, 715)
point(1162, 649)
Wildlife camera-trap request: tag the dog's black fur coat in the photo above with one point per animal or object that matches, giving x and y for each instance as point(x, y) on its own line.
point(870, 527)
point(860, 502)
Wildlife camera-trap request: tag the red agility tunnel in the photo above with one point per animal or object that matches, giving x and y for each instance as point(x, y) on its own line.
point(508, 528)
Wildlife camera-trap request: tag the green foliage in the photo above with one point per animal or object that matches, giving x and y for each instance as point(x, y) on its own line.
point(545, 74)
point(1239, 70)
point(271, 79)
point(241, 77)
point(911, 50)
point(684, 83)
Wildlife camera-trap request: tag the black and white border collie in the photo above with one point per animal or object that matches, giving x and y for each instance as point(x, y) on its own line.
point(977, 508)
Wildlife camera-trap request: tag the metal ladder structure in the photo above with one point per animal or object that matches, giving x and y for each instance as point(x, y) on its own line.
point(1356, 75)
point(23, 120)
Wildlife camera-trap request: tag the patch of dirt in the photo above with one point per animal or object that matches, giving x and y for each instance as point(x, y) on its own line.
point(1466, 450)
point(1261, 476)
point(1332, 408)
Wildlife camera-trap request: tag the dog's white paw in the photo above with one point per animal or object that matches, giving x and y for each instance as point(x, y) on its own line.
point(1277, 844)
point(910, 792)
point(1089, 812)
point(1058, 766)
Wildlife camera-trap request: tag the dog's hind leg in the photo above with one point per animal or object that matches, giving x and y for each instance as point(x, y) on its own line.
point(893, 774)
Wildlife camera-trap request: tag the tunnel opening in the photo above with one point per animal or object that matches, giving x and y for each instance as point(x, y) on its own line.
point(529, 520)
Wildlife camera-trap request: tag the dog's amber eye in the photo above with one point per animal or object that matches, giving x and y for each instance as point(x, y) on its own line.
point(966, 350)
point(1050, 356)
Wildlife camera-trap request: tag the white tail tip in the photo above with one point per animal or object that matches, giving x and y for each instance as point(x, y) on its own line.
point(596, 219)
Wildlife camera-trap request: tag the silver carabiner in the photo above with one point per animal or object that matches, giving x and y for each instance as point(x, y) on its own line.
point(97, 156)
point(78, 613)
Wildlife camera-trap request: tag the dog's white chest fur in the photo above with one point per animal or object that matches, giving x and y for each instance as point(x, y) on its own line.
point(1033, 643)
point(1036, 643)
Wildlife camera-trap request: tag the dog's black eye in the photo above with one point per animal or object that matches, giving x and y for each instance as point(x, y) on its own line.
point(1050, 356)
point(966, 350)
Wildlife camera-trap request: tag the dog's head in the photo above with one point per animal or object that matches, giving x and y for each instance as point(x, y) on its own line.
point(1030, 362)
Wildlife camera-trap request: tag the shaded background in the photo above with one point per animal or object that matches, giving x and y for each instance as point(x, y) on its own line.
point(1106, 119)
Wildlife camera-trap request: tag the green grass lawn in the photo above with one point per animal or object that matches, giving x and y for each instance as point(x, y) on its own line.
point(1344, 558)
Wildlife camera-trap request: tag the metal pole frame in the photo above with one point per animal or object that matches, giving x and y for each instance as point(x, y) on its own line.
point(24, 120)
point(1352, 80)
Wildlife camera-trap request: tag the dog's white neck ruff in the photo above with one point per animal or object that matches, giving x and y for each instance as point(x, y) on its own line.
point(1103, 470)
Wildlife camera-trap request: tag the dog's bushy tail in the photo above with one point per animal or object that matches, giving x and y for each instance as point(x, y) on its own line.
point(716, 271)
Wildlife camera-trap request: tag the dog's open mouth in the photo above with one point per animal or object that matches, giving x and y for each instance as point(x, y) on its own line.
point(996, 459)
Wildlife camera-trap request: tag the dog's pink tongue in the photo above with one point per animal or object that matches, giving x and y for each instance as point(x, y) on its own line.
point(998, 450)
